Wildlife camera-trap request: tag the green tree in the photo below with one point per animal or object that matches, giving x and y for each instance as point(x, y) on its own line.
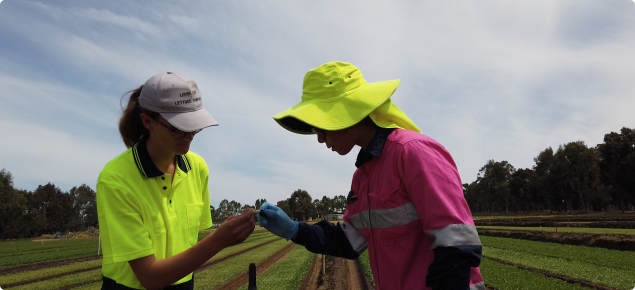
point(521, 186)
point(493, 182)
point(223, 211)
point(338, 204)
point(284, 206)
point(617, 166)
point(324, 207)
point(259, 203)
point(84, 207)
point(543, 182)
point(576, 177)
point(301, 205)
point(13, 205)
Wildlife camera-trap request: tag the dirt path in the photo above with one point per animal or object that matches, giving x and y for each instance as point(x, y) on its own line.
point(567, 279)
point(243, 278)
point(343, 274)
point(312, 278)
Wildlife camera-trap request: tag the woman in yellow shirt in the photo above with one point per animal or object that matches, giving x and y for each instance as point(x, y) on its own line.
point(153, 199)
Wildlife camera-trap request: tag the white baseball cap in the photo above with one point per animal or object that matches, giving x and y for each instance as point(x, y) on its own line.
point(178, 100)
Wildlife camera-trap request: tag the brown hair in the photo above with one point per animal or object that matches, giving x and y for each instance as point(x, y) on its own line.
point(131, 127)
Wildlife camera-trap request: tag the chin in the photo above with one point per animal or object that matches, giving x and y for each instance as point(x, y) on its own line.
point(182, 150)
point(342, 153)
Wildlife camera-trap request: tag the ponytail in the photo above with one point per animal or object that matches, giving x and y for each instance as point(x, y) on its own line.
point(131, 127)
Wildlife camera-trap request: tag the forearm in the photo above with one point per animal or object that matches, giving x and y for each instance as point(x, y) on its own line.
point(157, 274)
point(326, 238)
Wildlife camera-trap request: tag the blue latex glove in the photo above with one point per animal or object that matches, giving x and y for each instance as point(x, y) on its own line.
point(277, 221)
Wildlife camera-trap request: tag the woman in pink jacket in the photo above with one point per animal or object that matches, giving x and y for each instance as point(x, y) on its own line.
point(406, 203)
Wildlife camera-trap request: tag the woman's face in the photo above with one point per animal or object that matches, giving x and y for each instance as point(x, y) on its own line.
point(340, 141)
point(163, 133)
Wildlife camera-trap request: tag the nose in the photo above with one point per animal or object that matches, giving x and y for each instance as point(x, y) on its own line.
point(321, 139)
point(189, 136)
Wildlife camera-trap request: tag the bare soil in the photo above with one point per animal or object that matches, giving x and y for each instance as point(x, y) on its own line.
point(312, 278)
point(342, 274)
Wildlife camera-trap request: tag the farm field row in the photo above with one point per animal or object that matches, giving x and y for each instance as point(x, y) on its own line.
point(564, 229)
point(83, 273)
point(594, 265)
point(69, 269)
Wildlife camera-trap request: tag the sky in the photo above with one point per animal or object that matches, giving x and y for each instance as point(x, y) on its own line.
point(490, 80)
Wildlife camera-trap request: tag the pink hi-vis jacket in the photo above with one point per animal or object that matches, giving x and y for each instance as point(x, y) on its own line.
point(407, 206)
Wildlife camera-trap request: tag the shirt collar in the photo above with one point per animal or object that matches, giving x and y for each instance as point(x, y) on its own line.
point(374, 147)
point(146, 165)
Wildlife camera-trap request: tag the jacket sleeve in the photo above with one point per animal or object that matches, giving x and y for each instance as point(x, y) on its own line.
point(434, 186)
point(341, 240)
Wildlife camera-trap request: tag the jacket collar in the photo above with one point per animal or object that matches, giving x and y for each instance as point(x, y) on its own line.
point(146, 165)
point(374, 147)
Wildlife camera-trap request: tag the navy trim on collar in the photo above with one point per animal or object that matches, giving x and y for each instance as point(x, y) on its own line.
point(146, 165)
point(374, 147)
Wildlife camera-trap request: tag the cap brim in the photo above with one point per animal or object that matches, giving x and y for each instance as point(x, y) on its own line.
point(337, 115)
point(190, 121)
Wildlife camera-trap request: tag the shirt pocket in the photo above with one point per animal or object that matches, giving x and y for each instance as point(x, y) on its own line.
point(193, 221)
point(383, 197)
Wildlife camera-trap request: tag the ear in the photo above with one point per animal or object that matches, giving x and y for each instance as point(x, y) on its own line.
point(146, 120)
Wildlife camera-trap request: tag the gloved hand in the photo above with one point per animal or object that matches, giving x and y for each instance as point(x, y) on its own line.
point(277, 221)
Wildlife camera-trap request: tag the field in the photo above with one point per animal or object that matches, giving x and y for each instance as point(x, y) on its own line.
point(518, 253)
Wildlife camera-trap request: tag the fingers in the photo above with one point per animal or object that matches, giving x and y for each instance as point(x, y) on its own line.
point(267, 205)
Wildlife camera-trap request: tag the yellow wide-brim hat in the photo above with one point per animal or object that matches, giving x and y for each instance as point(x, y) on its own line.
point(335, 96)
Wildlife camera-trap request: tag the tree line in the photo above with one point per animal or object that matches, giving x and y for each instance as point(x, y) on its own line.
point(49, 210)
point(46, 210)
point(574, 177)
point(299, 206)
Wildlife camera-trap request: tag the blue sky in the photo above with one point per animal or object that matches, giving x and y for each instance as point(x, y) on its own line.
point(498, 80)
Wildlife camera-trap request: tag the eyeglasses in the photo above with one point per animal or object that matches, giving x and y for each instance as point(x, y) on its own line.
point(176, 133)
point(318, 132)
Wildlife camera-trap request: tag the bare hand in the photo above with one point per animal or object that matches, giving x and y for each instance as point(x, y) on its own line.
point(235, 229)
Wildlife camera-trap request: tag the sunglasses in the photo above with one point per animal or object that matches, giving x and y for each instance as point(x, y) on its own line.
point(318, 132)
point(176, 133)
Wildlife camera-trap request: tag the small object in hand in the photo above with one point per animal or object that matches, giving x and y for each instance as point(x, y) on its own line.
point(257, 211)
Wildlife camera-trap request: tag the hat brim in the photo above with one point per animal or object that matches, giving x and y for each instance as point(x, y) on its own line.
point(336, 115)
point(190, 121)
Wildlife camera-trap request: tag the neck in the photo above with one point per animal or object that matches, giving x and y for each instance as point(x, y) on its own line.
point(163, 159)
point(367, 131)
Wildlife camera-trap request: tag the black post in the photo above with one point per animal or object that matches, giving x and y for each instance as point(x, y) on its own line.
point(252, 277)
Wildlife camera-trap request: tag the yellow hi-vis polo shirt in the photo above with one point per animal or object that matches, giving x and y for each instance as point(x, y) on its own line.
point(143, 212)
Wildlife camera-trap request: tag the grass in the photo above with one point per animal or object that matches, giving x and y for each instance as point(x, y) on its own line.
point(94, 275)
point(597, 265)
point(564, 230)
point(364, 261)
point(287, 273)
point(224, 271)
point(46, 272)
point(50, 251)
point(255, 239)
point(505, 277)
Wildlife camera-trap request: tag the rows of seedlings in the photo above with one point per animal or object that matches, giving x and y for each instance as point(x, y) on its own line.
point(87, 274)
point(595, 268)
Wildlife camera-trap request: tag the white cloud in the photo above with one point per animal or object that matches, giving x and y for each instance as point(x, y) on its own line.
point(489, 80)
